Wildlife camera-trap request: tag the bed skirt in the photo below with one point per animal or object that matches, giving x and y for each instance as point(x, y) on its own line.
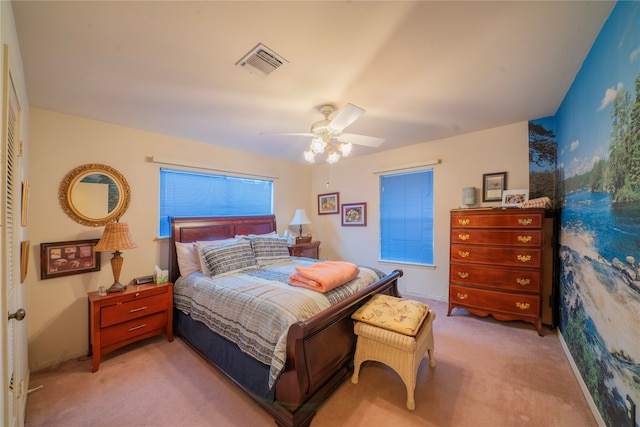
point(248, 373)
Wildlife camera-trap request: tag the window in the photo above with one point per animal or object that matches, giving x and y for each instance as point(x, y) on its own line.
point(406, 217)
point(199, 194)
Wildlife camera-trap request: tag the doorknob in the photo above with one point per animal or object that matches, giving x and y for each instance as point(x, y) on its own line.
point(18, 315)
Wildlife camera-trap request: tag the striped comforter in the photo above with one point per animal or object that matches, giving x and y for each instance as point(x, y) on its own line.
point(255, 308)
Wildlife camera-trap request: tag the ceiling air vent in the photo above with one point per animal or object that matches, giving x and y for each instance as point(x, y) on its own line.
point(261, 61)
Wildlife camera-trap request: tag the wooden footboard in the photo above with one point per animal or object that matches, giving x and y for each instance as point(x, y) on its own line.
point(320, 357)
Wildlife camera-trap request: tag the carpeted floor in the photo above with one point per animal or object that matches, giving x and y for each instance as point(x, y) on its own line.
point(487, 373)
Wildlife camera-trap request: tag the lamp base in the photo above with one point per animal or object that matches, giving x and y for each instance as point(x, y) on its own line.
point(116, 287)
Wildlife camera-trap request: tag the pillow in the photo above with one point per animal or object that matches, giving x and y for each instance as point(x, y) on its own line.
point(198, 245)
point(272, 234)
point(228, 258)
point(269, 250)
point(392, 313)
point(188, 259)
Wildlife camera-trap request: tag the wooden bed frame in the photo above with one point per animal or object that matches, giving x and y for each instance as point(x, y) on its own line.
point(319, 350)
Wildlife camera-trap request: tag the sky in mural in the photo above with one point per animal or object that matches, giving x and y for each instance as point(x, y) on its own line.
point(591, 95)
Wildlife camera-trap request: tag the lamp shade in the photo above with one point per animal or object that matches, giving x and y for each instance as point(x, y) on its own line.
point(300, 217)
point(116, 236)
point(469, 196)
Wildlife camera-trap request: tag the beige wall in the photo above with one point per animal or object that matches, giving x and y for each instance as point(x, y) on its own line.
point(58, 144)
point(463, 161)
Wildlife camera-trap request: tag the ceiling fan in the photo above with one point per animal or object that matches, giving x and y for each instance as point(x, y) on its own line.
point(327, 134)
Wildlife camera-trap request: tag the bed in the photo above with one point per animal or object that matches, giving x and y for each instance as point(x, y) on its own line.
point(318, 351)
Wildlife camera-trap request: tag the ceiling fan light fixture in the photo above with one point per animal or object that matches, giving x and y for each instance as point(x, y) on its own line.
point(345, 148)
point(333, 157)
point(309, 156)
point(317, 145)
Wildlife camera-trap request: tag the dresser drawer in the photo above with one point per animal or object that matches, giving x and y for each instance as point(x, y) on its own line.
point(133, 328)
point(514, 303)
point(496, 278)
point(133, 309)
point(504, 256)
point(513, 218)
point(522, 237)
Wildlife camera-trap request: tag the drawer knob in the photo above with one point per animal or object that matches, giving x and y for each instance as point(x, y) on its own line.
point(525, 221)
point(463, 254)
point(522, 305)
point(463, 275)
point(464, 221)
point(463, 237)
point(137, 327)
point(524, 258)
point(462, 296)
point(524, 239)
point(523, 282)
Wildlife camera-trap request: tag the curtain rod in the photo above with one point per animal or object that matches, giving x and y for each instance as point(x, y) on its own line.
point(155, 159)
point(410, 166)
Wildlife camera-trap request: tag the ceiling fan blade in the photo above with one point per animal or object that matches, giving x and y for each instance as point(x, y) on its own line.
point(347, 115)
point(369, 141)
point(288, 134)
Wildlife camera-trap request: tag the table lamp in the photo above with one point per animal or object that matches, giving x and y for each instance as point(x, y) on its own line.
point(116, 237)
point(300, 218)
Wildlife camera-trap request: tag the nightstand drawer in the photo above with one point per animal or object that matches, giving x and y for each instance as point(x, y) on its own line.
point(133, 328)
point(133, 309)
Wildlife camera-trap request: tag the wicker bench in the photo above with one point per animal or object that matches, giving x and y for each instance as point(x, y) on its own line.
point(402, 352)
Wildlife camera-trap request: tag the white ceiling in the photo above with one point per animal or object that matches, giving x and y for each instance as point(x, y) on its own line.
point(422, 70)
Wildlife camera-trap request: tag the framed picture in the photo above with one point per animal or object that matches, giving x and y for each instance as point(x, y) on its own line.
point(67, 258)
point(25, 203)
point(25, 246)
point(328, 203)
point(514, 198)
point(492, 186)
point(354, 214)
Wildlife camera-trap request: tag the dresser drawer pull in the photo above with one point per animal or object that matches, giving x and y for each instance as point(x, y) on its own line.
point(462, 296)
point(144, 325)
point(522, 305)
point(133, 310)
point(464, 221)
point(523, 282)
point(524, 258)
point(526, 221)
point(524, 239)
point(463, 237)
point(463, 275)
point(463, 254)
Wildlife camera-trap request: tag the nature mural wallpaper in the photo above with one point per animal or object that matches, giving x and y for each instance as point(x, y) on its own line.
point(597, 128)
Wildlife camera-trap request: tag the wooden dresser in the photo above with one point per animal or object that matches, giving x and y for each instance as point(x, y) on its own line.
point(122, 318)
point(496, 263)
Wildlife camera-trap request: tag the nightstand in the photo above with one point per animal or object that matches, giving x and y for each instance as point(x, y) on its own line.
point(308, 250)
point(121, 318)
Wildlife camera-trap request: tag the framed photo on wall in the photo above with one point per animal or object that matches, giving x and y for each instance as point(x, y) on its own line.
point(354, 214)
point(66, 258)
point(328, 203)
point(492, 186)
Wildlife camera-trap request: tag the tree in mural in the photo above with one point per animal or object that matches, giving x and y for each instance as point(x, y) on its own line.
point(622, 177)
point(543, 153)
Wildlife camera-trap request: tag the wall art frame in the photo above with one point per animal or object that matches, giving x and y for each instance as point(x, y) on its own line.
point(493, 184)
point(59, 259)
point(354, 214)
point(328, 203)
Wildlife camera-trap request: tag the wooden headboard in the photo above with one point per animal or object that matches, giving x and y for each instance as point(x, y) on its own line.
point(214, 228)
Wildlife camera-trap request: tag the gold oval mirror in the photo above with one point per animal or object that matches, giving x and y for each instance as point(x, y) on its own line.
point(94, 194)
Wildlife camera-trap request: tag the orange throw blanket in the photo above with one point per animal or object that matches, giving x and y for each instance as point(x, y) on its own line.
point(324, 276)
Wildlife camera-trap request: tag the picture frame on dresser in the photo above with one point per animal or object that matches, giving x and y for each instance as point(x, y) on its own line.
point(493, 184)
point(514, 198)
point(59, 259)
